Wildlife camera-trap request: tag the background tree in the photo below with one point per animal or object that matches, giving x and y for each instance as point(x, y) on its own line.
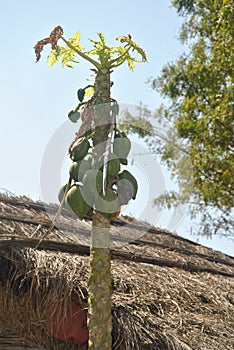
point(96, 187)
point(198, 115)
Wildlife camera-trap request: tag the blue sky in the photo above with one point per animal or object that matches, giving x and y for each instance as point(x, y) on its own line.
point(35, 99)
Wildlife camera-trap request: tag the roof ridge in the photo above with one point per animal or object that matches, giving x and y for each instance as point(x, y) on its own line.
point(75, 248)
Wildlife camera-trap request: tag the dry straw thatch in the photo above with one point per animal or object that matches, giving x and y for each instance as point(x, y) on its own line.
point(168, 292)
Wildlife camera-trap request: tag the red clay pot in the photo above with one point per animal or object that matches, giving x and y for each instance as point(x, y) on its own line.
point(68, 322)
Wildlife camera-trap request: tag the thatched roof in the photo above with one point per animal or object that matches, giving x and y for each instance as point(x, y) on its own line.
point(168, 292)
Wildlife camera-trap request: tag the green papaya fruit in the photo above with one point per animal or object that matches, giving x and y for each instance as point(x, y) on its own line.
point(78, 169)
point(123, 161)
point(92, 181)
point(121, 146)
point(126, 175)
point(74, 116)
point(80, 149)
point(81, 94)
point(108, 204)
point(113, 165)
point(125, 191)
point(61, 192)
point(74, 171)
point(77, 202)
point(120, 133)
point(115, 108)
point(90, 213)
point(88, 133)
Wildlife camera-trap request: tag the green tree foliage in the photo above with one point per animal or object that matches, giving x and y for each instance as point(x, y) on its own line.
point(198, 88)
point(198, 110)
point(184, 6)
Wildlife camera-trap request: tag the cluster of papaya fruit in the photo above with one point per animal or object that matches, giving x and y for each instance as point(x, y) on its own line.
point(86, 191)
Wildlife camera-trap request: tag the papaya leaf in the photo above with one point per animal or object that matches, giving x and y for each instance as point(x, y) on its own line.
point(133, 46)
point(101, 49)
point(54, 56)
point(66, 54)
point(102, 38)
point(131, 65)
point(108, 56)
point(89, 92)
point(123, 53)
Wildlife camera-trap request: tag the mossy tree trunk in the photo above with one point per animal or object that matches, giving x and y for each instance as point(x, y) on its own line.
point(100, 319)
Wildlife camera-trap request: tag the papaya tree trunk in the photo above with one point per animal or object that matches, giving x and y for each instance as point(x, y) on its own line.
point(99, 284)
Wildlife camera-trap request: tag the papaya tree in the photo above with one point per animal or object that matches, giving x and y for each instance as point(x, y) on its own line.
point(97, 187)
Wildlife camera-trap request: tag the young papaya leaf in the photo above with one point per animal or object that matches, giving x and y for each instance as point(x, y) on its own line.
point(52, 59)
point(102, 38)
point(89, 91)
point(75, 41)
point(131, 65)
point(134, 47)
